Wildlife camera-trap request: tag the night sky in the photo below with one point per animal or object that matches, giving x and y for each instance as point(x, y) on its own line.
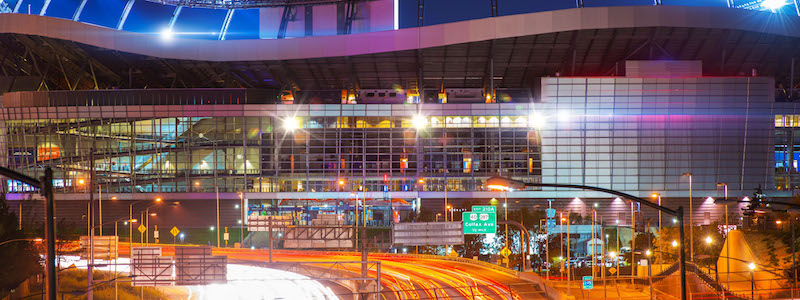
point(150, 17)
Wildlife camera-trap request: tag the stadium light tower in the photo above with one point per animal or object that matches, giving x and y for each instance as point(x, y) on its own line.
point(167, 34)
point(773, 5)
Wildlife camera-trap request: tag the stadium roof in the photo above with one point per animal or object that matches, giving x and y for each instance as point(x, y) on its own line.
point(584, 41)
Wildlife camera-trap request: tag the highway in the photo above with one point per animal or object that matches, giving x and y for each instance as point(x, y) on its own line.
point(402, 276)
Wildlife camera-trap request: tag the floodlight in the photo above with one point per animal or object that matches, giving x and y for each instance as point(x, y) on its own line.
point(419, 122)
point(536, 121)
point(291, 123)
point(773, 4)
point(167, 34)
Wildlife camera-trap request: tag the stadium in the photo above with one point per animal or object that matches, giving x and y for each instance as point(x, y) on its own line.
point(331, 105)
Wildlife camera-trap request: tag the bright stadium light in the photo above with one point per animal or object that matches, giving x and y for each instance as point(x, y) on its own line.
point(291, 123)
point(167, 34)
point(536, 121)
point(419, 122)
point(773, 4)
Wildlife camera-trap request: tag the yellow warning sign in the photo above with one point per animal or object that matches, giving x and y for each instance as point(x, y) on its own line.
point(612, 271)
point(505, 252)
point(142, 229)
point(452, 254)
point(174, 231)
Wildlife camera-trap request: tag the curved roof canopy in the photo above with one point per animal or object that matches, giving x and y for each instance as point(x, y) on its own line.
point(584, 41)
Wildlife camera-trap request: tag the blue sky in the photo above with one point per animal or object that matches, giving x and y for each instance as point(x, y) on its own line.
point(150, 17)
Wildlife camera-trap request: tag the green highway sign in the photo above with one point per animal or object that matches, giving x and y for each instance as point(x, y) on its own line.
point(479, 222)
point(588, 283)
point(484, 208)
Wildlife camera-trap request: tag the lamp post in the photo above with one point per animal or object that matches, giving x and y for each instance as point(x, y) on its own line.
point(691, 218)
point(130, 224)
point(506, 183)
point(241, 211)
point(216, 191)
point(752, 268)
point(21, 240)
point(657, 196)
point(727, 242)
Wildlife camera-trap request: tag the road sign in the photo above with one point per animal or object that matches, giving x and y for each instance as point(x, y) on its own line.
point(588, 283)
point(484, 208)
point(155, 234)
point(612, 270)
point(428, 233)
point(225, 236)
point(505, 252)
point(174, 231)
point(551, 212)
point(142, 229)
point(452, 253)
point(479, 222)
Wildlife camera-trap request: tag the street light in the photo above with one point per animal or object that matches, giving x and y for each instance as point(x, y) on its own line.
point(727, 244)
point(691, 219)
point(503, 183)
point(130, 217)
point(216, 191)
point(241, 221)
point(37, 240)
point(752, 267)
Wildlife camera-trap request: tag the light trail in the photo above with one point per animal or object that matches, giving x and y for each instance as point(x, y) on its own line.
point(244, 282)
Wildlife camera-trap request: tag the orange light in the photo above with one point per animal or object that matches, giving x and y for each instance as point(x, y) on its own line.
point(133, 220)
point(563, 219)
point(341, 182)
point(113, 197)
point(158, 199)
point(197, 183)
point(421, 181)
point(152, 214)
point(654, 195)
point(497, 187)
point(38, 240)
point(81, 181)
point(778, 222)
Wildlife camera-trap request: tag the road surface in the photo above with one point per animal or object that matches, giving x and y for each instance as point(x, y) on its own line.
point(402, 276)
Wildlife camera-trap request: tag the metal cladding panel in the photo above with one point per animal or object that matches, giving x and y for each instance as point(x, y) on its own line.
point(428, 234)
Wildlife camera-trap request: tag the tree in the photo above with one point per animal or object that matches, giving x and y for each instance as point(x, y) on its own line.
point(18, 260)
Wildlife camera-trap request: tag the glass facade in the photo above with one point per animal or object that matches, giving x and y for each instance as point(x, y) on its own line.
point(636, 135)
point(251, 148)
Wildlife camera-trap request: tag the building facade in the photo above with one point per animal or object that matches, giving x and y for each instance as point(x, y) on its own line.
point(638, 135)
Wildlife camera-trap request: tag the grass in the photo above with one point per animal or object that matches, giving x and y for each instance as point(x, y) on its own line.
point(72, 285)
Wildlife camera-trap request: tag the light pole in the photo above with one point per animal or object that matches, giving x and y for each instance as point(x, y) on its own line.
point(657, 196)
point(216, 190)
point(727, 242)
point(130, 224)
point(691, 219)
point(21, 240)
point(241, 228)
point(752, 268)
point(506, 184)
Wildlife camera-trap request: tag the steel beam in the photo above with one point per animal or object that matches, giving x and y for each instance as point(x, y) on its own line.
point(4, 7)
point(44, 7)
point(125, 12)
point(16, 7)
point(175, 14)
point(287, 16)
point(77, 15)
point(224, 30)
